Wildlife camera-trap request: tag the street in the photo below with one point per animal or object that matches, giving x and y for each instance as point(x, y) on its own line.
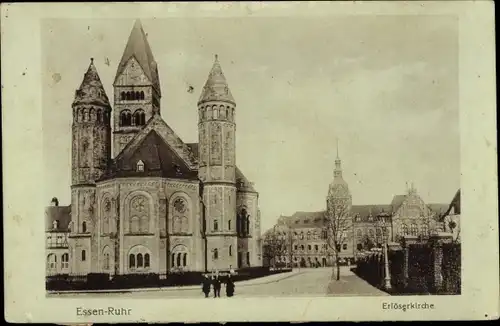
point(300, 282)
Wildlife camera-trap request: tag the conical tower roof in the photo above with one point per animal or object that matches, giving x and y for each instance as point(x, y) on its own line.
point(216, 88)
point(91, 91)
point(138, 47)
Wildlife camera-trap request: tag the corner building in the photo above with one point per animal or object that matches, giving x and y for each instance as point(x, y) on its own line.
point(158, 205)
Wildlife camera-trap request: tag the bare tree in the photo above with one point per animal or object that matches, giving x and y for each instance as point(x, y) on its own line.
point(337, 224)
point(274, 245)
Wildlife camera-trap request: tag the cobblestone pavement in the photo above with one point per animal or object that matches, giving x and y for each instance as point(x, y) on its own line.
point(301, 282)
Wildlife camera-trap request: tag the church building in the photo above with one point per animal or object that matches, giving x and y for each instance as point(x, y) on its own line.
point(142, 200)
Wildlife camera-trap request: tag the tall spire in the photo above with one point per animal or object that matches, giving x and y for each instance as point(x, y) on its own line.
point(337, 148)
point(91, 90)
point(216, 88)
point(138, 47)
point(337, 173)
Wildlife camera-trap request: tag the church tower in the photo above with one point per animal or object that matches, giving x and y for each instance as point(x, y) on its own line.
point(136, 89)
point(91, 153)
point(338, 190)
point(216, 129)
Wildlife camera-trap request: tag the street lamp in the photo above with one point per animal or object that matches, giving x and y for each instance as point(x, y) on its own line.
point(387, 279)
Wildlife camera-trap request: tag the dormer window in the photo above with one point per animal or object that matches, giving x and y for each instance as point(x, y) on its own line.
point(140, 166)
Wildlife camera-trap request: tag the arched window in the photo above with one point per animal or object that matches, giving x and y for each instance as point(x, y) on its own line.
point(106, 261)
point(230, 250)
point(137, 95)
point(371, 233)
point(125, 118)
point(131, 261)
point(308, 235)
point(302, 247)
point(216, 225)
point(132, 96)
point(134, 224)
point(301, 235)
point(378, 231)
point(179, 256)
point(229, 225)
point(180, 213)
point(404, 230)
point(144, 224)
point(146, 260)
point(424, 230)
point(123, 96)
point(413, 229)
point(216, 253)
point(227, 113)
point(51, 261)
point(139, 117)
point(215, 112)
point(83, 255)
point(139, 260)
point(92, 114)
point(139, 210)
point(65, 261)
point(142, 95)
point(99, 116)
point(248, 258)
point(84, 226)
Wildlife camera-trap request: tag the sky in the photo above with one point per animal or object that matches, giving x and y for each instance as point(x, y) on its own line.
point(385, 87)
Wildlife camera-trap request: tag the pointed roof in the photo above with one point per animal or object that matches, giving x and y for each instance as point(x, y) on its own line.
point(216, 88)
point(138, 47)
point(91, 90)
point(156, 156)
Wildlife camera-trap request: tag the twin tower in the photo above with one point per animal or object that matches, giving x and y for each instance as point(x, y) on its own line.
point(137, 97)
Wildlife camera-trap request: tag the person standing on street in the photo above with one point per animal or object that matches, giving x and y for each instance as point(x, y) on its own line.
point(206, 285)
point(217, 285)
point(229, 286)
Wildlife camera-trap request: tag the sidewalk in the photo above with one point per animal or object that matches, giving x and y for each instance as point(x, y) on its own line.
point(255, 281)
point(352, 285)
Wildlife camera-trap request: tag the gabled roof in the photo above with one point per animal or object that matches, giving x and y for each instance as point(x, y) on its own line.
point(307, 219)
point(365, 211)
point(455, 205)
point(91, 91)
point(216, 88)
point(158, 158)
point(138, 47)
point(397, 201)
point(61, 214)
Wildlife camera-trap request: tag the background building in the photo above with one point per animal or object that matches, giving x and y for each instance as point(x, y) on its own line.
point(306, 231)
point(158, 205)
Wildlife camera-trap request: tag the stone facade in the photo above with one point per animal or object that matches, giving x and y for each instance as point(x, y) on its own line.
point(159, 205)
point(306, 234)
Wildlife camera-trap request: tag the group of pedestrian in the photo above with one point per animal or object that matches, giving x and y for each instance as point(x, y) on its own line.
point(215, 283)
